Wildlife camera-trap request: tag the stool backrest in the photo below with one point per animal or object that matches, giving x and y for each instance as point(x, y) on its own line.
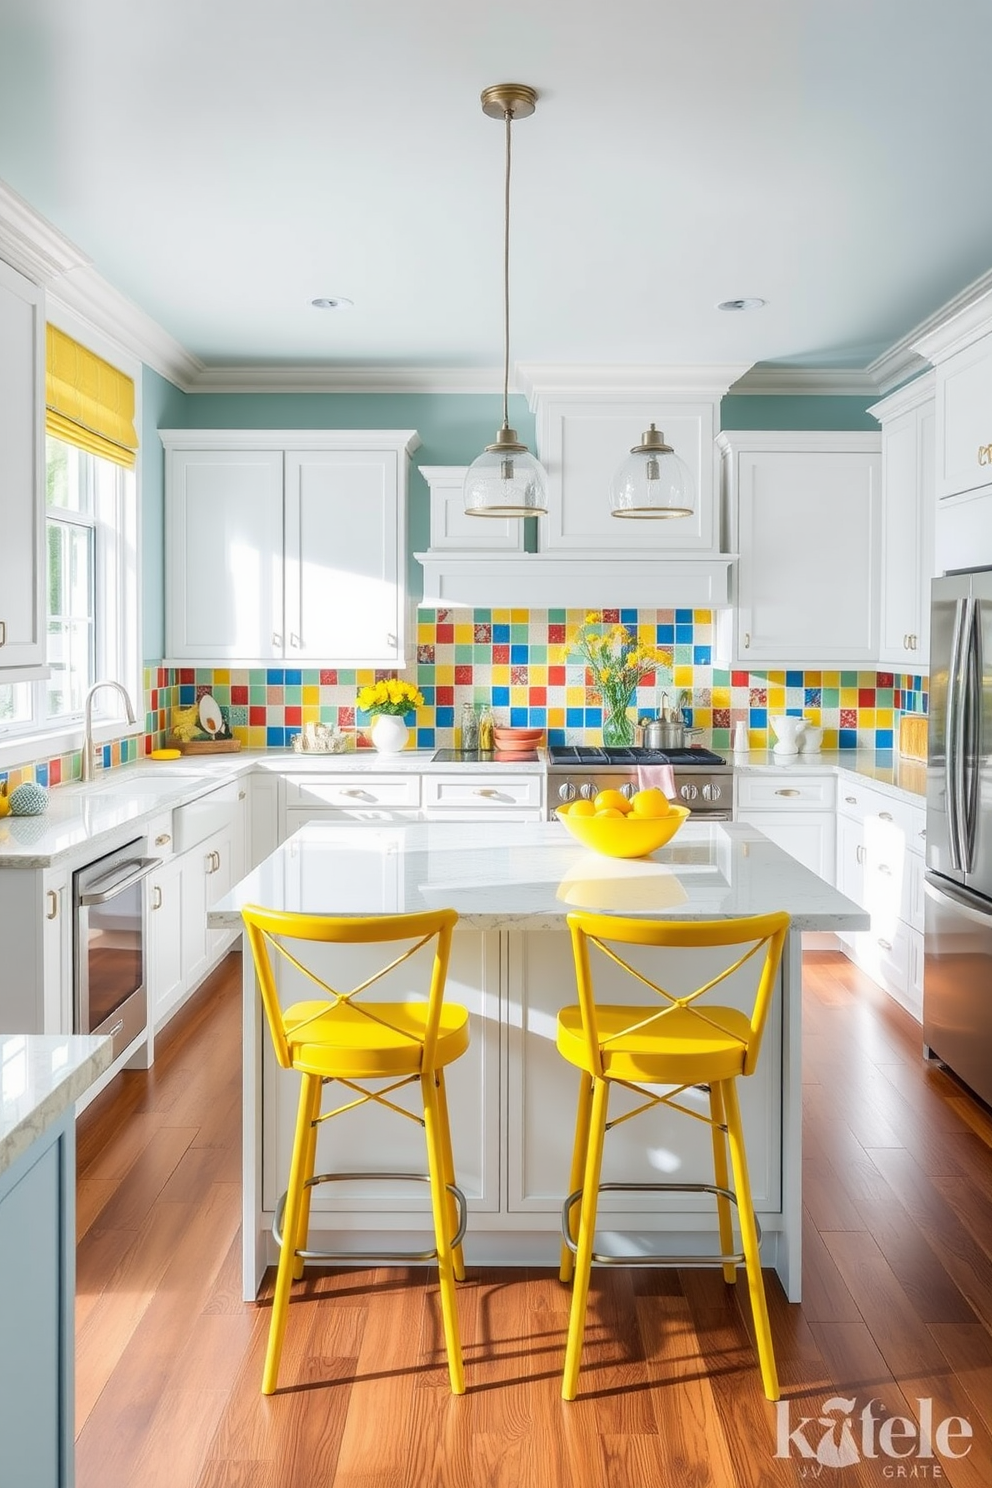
point(760, 936)
point(271, 934)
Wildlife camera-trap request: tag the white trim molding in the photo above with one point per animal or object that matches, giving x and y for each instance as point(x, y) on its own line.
point(296, 439)
point(328, 379)
point(767, 380)
point(570, 379)
point(571, 581)
point(910, 395)
point(31, 244)
point(959, 323)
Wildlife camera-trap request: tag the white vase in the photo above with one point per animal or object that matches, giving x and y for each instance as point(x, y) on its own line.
point(389, 733)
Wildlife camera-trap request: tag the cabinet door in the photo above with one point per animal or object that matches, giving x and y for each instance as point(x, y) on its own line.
point(345, 596)
point(22, 404)
point(808, 525)
point(206, 876)
point(850, 865)
point(964, 420)
point(907, 537)
point(584, 439)
point(807, 836)
point(166, 981)
point(57, 953)
point(224, 555)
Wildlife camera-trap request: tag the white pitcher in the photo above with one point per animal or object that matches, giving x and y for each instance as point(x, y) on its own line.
point(788, 730)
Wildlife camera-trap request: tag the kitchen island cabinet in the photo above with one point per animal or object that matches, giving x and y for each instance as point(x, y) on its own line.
point(513, 885)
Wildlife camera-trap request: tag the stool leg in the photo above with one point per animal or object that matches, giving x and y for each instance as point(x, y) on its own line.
point(752, 1257)
point(290, 1229)
point(580, 1147)
point(457, 1258)
point(442, 1235)
point(309, 1158)
point(587, 1231)
point(718, 1118)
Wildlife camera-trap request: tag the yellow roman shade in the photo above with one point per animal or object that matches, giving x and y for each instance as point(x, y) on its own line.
point(89, 403)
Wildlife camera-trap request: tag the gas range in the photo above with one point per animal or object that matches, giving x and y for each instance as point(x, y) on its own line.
point(700, 779)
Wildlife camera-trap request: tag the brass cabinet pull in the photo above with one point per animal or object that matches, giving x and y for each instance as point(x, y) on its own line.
point(157, 902)
point(162, 839)
point(53, 904)
point(241, 795)
point(851, 800)
point(484, 791)
point(885, 816)
point(3, 632)
point(985, 454)
point(860, 853)
point(747, 639)
point(788, 793)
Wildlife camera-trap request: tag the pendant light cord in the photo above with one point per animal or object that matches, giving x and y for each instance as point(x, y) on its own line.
point(508, 119)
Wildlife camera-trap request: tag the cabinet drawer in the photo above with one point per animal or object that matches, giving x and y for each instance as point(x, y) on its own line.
point(785, 792)
point(160, 836)
point(482, 794)
point(211, 813)
point(862, 803)
point(351, 791)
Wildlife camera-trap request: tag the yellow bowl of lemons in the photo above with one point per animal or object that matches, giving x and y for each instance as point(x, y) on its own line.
point(622, 828)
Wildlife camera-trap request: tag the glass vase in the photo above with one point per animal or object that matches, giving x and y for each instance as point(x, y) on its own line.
point(618, 725)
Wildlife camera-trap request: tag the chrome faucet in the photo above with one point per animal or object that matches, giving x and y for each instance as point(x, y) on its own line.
point(87, 771)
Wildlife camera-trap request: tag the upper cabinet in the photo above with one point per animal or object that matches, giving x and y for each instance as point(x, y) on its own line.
point(287, 547)
point(587, 421)
point(907, 418)
point(961, 351)
point(804, 512)
point(22, 448)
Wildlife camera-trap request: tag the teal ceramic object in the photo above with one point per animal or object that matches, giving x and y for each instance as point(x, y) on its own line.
point(28, 799)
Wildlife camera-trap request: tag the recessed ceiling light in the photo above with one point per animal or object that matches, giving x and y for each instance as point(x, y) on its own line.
point(750, 302)
point(332, 302)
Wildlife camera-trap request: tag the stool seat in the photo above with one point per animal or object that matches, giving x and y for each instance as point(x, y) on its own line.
point(677, 1047)
point(351, 1043)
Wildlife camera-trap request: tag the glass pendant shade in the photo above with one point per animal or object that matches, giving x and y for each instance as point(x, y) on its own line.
point(505, 481)
point(653, 481)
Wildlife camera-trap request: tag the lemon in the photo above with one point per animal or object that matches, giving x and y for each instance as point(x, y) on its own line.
point(612, 799)
point(611, 811)
point(582, 808)
point(652, 803)
point(563, 810)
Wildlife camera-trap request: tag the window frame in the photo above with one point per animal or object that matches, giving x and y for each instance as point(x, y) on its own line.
point(119, 645)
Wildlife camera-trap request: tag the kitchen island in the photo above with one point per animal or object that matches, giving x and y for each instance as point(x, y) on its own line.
point(512, 1096)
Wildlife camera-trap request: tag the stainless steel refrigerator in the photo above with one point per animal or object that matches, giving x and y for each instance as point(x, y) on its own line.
point(957, 966)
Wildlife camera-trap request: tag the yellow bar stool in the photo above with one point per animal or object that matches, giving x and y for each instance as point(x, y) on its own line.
point(679, 1041)
point(343, 1039)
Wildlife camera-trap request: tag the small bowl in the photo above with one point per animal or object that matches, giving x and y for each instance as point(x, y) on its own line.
point(517, 735)
point(625, 836)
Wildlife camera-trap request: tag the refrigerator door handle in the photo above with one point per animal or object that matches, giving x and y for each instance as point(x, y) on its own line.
point(954, 748)
point(971, 731)
point(954, 899)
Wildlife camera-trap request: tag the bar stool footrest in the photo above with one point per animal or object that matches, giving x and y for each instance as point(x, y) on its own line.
point(661, 1259)
point(398, 1256)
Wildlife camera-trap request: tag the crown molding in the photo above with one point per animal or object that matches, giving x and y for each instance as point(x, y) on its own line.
point(406, 440)
point(31, 244)
point(908, 396)
point(327, 379)
point(563, 379)
point(96, 302)
point(895, 366)
point(795, 382)
point(957, 324)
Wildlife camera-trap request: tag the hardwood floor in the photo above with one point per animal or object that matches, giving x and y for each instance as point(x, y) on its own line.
point(897, 1304)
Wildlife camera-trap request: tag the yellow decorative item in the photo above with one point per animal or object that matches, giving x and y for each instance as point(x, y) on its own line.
point(618, 663)
point(660, 1048)
point(341, 1040)
point(186, 723)
point(624, 836)
point(166, 754)
point(89, 403)
point(390, 697)
point(4, 799)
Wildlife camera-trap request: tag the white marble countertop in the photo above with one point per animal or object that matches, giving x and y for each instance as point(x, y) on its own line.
point(80, 816)
point(42, 1075)
point(529, 875)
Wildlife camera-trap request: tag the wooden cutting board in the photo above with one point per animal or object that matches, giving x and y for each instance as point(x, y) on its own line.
point(208, 746)
point(913, 736)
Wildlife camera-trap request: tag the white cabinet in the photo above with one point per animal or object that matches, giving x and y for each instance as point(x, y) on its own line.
point(804, 512)
point(287, 546)
point(36, 935)
point(908, 423)
point(166, 971)
point(22, 411)
point(484, 797)
point(796, 812)
point(348, 796)
point(880, 864)
point(452, 530)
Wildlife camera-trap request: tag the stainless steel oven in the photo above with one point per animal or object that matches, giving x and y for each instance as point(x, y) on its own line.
point(698, 778)
point(109, 945)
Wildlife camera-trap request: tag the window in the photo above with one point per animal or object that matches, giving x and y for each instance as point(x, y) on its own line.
point(91, 548)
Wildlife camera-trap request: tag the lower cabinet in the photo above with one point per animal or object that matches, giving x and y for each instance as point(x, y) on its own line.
point(348, 795)
point(880, 863)
point(37, 1307)
point(796, 812)
point(484, 797)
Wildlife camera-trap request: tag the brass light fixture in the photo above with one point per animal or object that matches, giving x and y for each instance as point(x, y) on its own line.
point(506, 480)
point(653, 481)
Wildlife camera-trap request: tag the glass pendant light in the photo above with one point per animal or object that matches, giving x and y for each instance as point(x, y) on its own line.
point(506, 480)
point(653, 481)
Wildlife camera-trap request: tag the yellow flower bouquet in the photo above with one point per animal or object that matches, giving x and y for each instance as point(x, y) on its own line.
point(392, 696)
point(618, 662)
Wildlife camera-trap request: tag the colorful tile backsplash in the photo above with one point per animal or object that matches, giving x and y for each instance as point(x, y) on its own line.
point(520, 662)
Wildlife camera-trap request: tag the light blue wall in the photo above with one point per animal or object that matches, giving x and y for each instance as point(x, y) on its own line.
point(453, 427)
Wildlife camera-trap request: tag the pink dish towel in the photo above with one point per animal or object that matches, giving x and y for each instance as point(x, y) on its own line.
point(657, 777)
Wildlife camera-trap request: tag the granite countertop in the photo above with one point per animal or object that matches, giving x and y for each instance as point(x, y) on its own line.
point(529, 875)
point(41, 1075)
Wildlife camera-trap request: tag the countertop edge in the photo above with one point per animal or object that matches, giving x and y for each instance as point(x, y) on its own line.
point(94, 1058)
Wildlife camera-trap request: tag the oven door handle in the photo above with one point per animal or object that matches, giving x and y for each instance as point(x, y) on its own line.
point(137, 869)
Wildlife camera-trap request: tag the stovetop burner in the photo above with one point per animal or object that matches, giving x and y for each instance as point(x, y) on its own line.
point(582, 754)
